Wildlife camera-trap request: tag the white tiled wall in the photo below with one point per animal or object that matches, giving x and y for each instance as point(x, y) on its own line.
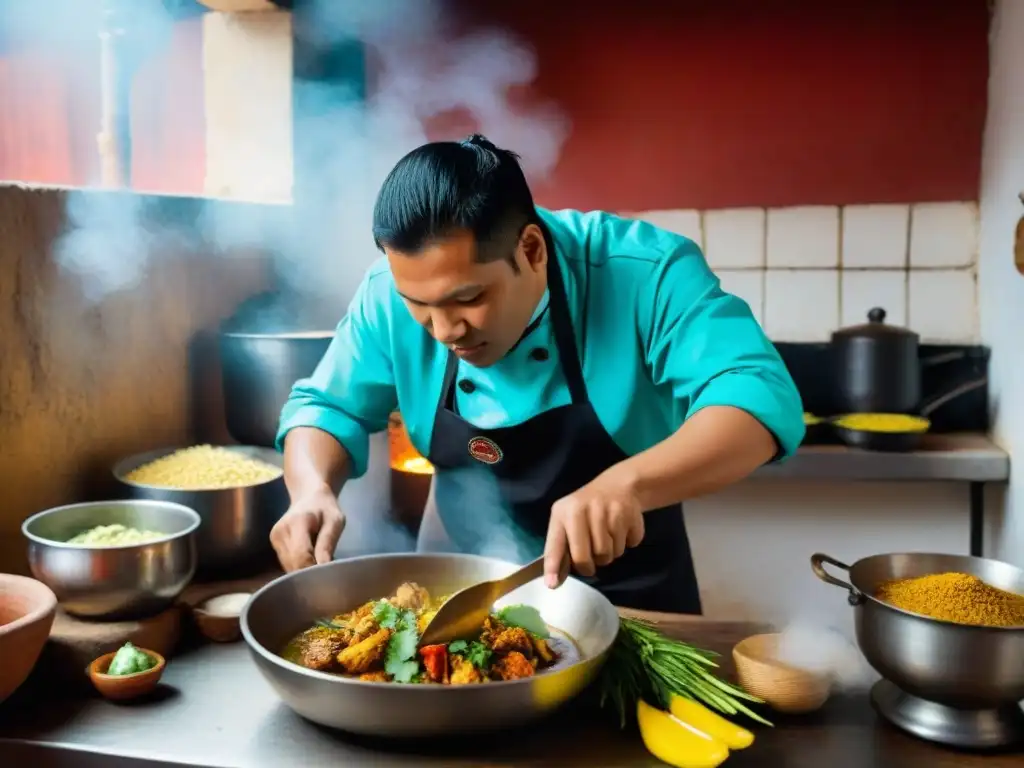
point(808, 270)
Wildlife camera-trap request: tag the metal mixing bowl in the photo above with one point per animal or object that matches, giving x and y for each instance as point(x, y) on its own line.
point(113, 582)
point(960, 667)
point(258, 371)
point(291, 603)
point(234, 538)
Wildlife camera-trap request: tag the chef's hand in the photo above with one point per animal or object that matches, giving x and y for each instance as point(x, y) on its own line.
point(594, 525)
point(309, 531)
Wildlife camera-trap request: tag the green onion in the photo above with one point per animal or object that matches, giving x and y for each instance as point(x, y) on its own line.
point(645, 664)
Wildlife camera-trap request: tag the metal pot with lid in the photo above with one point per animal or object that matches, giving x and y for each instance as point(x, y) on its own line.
point(877, 367)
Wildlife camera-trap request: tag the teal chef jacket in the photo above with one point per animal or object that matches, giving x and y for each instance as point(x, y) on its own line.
point(658, 337)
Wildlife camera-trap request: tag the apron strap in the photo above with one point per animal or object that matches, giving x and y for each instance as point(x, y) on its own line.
point(565, 336)
point(447, 399)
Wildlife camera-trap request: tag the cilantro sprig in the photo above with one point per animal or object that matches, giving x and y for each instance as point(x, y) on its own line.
point(400, 656)
point(525, 617)
point(476, 653)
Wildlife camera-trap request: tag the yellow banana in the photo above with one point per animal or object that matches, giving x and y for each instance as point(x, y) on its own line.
point(711, 723)
point(677, 743)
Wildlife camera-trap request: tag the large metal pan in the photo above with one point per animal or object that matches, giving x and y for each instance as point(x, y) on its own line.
point(293, 602)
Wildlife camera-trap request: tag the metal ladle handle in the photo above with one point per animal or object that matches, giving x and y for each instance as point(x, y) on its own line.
point(818, 561)
point(529, 572)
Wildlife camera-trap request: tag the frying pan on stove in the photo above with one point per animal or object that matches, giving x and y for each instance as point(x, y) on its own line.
point(895, 432)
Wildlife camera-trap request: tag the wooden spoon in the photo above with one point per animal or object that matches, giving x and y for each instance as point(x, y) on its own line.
point(462, 615)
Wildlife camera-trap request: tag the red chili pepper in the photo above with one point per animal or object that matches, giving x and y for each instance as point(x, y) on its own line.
point(435, 662)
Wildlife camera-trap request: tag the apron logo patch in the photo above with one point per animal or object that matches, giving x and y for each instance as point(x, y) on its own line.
point(485, 450)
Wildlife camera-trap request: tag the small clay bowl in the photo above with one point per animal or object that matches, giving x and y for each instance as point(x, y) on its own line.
point(125, 687)
point(783, 687)
point(220, 626)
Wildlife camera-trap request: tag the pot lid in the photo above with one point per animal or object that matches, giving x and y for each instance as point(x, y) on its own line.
point(875, 327)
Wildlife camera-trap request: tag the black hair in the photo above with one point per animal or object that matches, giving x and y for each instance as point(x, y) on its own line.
point(446, 186)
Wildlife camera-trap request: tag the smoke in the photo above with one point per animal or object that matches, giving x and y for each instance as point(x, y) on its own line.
point(424, 66)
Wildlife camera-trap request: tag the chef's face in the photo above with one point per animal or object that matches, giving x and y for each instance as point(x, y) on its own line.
point(479, 309)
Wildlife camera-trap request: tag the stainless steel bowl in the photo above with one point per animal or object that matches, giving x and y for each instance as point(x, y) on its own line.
point(113, 582)
point(293, 602)
point(258, 371)
point(962, 669)
point(234, 537)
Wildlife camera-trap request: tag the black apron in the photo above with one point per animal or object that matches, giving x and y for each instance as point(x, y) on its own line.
point(493, 488)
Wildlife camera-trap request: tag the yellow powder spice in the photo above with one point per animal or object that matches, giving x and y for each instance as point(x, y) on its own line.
point(956, 597)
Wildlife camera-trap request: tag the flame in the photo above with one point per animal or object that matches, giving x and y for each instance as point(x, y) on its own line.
point(414, 465)
point(404, 457)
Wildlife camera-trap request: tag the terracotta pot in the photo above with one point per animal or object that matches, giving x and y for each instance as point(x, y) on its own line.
point(27, 608)
point(125, 687)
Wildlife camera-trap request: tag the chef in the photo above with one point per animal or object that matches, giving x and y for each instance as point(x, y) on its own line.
point(573, 378)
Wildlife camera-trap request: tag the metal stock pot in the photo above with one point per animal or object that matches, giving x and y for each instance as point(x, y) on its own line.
point(957, 684)
point(258, 371)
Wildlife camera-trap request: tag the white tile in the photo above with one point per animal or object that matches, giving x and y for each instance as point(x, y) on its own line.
point(943, 305)
point(747, 284)
point(943, 235)
point(863, 290)
point(875, 236)
point(805, 237)
point(685, 223)
point(801, 304)
point(734, 238)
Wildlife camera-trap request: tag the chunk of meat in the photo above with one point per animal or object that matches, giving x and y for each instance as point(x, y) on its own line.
point(319, 650)
point(362, 622)
point(411, 596)
point(492, 628)
point(463, 673)
point(542, 649)
point(365, 627)
point(379, 676)
point(364, 610)
point(364, 655)
point(514, 666)
point(511, 639)
point(435, 662)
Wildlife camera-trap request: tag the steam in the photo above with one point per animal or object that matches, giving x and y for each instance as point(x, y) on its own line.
point(345, 146)
point(469, 495)
point(425, 66)
point(807, 645)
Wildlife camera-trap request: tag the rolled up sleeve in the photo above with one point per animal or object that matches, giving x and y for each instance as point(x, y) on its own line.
point(352, 391)
point(706, 345)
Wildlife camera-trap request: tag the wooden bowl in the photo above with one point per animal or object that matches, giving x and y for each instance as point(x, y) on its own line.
point(27, 608)
point(125, 687)
point(785, 688)
point(218, 625)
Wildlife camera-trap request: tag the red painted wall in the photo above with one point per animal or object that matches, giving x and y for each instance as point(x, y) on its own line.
point(673, 103)
point(721, 103)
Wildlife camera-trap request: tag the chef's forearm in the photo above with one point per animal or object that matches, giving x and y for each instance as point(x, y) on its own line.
point(314, 461)
point(717, 446)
